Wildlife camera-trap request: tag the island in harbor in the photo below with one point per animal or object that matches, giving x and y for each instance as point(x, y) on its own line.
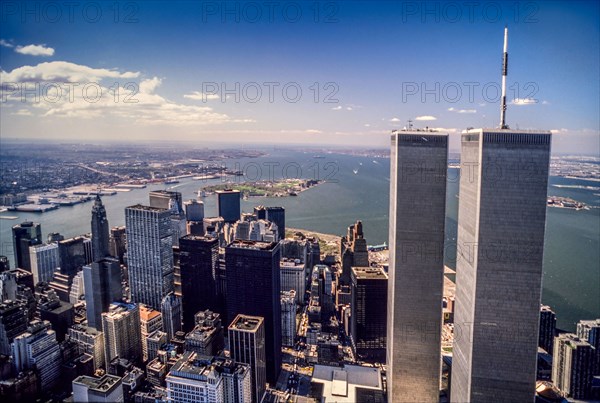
point(266, 188)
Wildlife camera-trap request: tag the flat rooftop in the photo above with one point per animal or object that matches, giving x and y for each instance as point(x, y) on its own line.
point(343, 384)
point(498, 130)
point(145, 208)
point(370, 273)
point(292, 263)
point(191, 237)
point(256, 245)
point(246, 323)
point(103, 384)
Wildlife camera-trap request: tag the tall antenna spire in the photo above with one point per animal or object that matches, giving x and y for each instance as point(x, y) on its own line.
point(503, 124)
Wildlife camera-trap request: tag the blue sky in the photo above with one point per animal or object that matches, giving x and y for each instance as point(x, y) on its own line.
point(371, 61)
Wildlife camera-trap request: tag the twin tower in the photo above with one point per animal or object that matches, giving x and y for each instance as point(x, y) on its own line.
point(499, 252)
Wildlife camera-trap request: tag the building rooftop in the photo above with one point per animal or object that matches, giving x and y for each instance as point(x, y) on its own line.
point(147, 313)
point(590, 322)
point(291, 263)
point(145, 208)
point(199, 238)
point(344, 384)
point(256, 245)
point(370, 273)
point(119, 308)
point(103, 384)
point(193, 365)
point(246, 323)
point(498, 130)
point(227, 191)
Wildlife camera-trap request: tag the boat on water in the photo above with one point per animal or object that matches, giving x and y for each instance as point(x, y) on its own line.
point(355, 171)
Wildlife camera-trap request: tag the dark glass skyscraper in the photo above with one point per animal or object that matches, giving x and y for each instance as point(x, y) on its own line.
point(369, 313)
point(24, 235)
point(198, 260)
point(100, 230)
point(102, 281)
point(253, 288)
point(228, 204)
point(547, 328)
point(247, 345)
point(275, 215)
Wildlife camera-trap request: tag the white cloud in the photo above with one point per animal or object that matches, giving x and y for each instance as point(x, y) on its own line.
point(394, 120)
point(337, 108)
point(348, 108)
point(200, 96)
point(133, 100)
point(367, 125)
point(524, 101)
point(313, 131)
point(559, 131)
point(62, 72)
point(22, 112)
point(426, 117)
point(6, 44)
point(462, 110)
point(35, 50)
point(545, 103)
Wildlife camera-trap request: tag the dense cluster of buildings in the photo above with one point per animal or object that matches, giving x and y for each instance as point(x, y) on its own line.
point(176, 306)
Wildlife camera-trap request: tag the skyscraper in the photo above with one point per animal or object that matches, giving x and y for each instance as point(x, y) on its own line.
point(253, 288)
point(198, 260)
point(25, 235)
point(293, 277)
point(416, 265)
point(38, 349)
point(107, 389)
point(369, 312)
point(73, 254)
point(275, 215)
point(150, 322)
point(194, 210)
point(89, 341)
point(572, 366)
point(13, 322)
point(228, 204)
point(247, 345)
point(102, 281)
point(122, 335)
point(149, 254)
point(547, 328)
point(288, 317)
point(162, 198)
point(197, 378)
point(589, 330)
point(170, 308)
point(44, 261)
point(100, 228)
point(118, 243)
point(501, 223)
